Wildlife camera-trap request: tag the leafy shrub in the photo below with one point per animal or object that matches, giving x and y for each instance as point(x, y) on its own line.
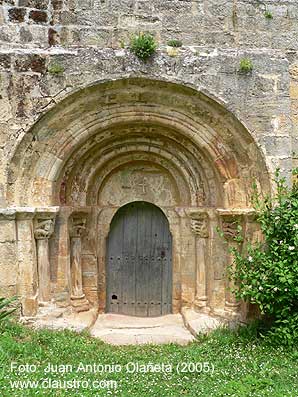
point(175, 43)
point(6, 308)
point(246, 65)
point(267, 275)
point(143, 45)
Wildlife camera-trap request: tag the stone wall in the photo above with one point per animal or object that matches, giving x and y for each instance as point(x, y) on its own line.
point(50, 50)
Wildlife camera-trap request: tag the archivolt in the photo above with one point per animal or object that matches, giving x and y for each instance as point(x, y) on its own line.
point(203, 146)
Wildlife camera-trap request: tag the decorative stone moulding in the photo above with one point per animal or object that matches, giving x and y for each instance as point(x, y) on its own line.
point(77, 229)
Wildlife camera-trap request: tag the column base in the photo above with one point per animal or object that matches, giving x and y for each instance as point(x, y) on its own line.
point(80, 303)
point(200, 305)
point(29, 306)
point(232, 310)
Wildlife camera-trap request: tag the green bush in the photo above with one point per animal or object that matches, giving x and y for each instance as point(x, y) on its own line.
point(6, 308)
point(246, 65)
point(143, 45)
point(174, 43)
point(267, 275)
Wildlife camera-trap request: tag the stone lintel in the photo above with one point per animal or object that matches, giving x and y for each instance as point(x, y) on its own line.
point(196, 213)
point(79, 211)
point(7, 214)
point(235, 212)
point(23, 213)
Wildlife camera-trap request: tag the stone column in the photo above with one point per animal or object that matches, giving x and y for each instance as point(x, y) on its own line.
point(44, 228)
point(77, 229)
point(26, 275)
point(200, 227)
point(230, 228)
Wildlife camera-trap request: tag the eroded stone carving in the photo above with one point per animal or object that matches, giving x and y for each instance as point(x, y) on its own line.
point(139, 182)
point(78, 226)
point(44, 228)
point(199, 225)
point(230, 228)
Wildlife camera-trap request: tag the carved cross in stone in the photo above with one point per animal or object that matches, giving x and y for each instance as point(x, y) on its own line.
point(143, 185)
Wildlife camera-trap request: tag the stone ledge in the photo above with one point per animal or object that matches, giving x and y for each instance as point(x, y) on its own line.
point(12, 213)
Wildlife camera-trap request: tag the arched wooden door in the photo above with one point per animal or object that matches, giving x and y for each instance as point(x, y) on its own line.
point(139, 262)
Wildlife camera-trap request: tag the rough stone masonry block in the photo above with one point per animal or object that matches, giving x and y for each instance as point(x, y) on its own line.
point(35, 63)
point(8, 267)
point(39, 4)
point(5, 62)
point(38, 16)
point(57, 4)
point(17, 14)
point(294, 89)
point(7, 231)
point(8, 2)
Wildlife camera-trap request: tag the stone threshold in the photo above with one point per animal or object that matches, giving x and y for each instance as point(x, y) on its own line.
point(117, 329)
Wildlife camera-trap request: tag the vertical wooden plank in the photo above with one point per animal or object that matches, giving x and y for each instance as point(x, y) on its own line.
point(129, 253)
point(114, 265)
point(155, 279)
point(141, 287)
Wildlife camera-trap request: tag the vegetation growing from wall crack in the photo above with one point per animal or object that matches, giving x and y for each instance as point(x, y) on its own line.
point(175, 43)
point(246, 65)
point(143, 45)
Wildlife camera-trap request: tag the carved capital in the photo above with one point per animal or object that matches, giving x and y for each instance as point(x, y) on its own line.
point(44, 228)
point(230, 226)
point(78, 225)
point(200, 224)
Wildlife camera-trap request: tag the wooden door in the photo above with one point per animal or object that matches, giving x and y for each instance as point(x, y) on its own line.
point(139, 262)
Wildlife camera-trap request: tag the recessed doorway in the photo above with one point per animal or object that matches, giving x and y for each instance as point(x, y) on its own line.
point(139, 262)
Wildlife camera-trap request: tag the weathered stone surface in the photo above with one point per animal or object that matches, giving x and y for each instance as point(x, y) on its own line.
point(85, 124)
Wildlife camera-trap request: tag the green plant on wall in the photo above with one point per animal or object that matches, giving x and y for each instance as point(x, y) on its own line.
point(268, 14)
point(174, 43)
point(246, 65)
point(55, 69)
point(143, 45)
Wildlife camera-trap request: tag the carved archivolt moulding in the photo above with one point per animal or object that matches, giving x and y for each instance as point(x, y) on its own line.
point(199, 223)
